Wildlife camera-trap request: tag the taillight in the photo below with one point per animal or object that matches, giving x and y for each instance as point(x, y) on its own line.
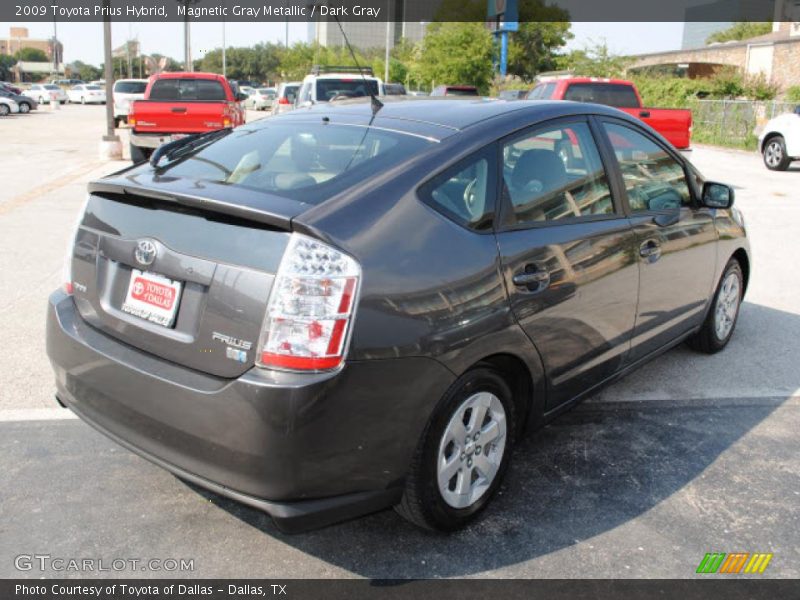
point(283, 100)
point(310, 309)
point(66, 272)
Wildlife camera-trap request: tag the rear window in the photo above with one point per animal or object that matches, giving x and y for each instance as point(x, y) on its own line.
point(462, 92)
point(183, 90)
point(52, 87)
point(93, 87)
point(543, 91)
point(130, 87)
point(327, 89)
point(309, 162)
point(610, 94)
point(267, 91)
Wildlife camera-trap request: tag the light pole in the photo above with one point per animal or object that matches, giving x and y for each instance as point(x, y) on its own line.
point(388, 38)
point(187, 35)
point(110, 146)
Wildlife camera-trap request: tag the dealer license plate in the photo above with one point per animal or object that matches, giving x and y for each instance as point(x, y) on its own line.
point(152, 297)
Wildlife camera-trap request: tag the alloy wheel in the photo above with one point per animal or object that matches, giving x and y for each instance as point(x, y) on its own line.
point(471, 450)
point(24, 108)
point(727, 306)
point(773, 154)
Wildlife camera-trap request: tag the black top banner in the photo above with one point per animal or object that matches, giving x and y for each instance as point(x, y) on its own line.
point(398, 10)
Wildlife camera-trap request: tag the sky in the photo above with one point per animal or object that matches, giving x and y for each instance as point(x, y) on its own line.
point(84, 41)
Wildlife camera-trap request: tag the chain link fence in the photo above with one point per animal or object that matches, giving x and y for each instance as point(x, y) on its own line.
point(733, 123)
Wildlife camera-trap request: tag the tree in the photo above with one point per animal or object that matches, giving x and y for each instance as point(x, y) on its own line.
point(740, 31)
point(6, 63)
point(84, 71)
point(594, 60)
point(31, 55)
point(456, 53)
point(534, 48)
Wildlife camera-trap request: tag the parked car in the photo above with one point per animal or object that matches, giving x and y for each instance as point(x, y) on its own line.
point(87, 94)
point(394, 89)
point(779, 141)
point(417, 93)
point(67, 82)
point(260, 99)
point(179, 104)
point(455, 90)
point(10, 88)
point(123, 93)
point(41, 92)
point(675, 124)
point(333, 311)
point(8, 106)
point(285, 97)
point(326, 83)
point(513, 95)
point(25, 104)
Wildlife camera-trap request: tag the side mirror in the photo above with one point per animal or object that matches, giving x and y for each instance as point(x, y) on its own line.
point(717, 195)
point(241, 97)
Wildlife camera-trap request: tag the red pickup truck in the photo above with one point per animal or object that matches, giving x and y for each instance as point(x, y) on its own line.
point(179, 104)
point(675, 124)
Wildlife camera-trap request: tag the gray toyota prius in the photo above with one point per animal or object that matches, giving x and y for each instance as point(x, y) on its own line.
point(358, 306)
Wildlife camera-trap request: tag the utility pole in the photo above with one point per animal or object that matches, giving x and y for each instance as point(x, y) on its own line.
point(187, 36)
point(55, 46)
point(388, 40)
point(110, 146)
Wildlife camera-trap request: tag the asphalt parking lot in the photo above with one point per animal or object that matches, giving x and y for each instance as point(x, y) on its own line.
point(690, 454)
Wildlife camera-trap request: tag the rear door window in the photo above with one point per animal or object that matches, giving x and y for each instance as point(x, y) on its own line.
point(130, 87)
point(610, 94)
point(555, 173)
point(187, 90)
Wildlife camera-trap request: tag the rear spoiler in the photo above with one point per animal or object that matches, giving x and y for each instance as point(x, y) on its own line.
point(239, 203)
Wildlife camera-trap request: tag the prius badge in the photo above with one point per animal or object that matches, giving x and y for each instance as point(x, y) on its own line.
point(145, 252)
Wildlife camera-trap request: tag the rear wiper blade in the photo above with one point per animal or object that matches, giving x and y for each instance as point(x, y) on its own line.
point(182, 147)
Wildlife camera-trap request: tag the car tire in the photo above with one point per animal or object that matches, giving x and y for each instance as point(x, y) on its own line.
point(4, 110)
point(430, 499)
point(24, 108)
point(723, 314)
point(139, 154)
point(775, 156)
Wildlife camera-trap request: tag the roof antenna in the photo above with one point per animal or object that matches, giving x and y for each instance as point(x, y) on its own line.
point(376, 104)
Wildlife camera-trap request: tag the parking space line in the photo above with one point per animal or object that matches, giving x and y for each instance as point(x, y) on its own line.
point(17, 201)
point(36, 414)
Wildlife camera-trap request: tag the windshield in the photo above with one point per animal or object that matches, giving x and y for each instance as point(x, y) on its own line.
point(52, 87)
point(328, 89)
point(305, 161)
point(130, 87)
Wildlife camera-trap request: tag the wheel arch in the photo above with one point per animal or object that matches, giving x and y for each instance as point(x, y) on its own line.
point(768, 137)
point(527, 392)
point(744, 262)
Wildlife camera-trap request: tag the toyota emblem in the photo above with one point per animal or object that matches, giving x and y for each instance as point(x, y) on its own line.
point(145, 252)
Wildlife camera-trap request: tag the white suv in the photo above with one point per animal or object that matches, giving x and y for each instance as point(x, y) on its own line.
point(326, 83)
point(125, 91)
point(779, 141)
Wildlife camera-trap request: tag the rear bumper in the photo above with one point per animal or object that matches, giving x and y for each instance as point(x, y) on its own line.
point(151, 140)
point(307, 449)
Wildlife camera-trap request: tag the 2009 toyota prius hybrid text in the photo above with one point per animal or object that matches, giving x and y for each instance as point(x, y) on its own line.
point(354, 306)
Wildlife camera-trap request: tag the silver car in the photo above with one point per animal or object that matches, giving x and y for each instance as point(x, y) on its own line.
point(41, 92)
point(8, 106)
point(260, 99)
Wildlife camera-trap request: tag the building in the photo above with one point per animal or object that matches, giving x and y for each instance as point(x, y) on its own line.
point(364, 35)
point(695, 33)
point(18, 39)
point(774, 56)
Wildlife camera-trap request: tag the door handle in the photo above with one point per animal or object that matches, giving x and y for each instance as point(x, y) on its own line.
point(650, 250)
point(644, 113)
point(535, 278)
point(178, 109)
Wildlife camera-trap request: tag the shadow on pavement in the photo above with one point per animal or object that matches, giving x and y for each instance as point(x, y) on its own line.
point(591, 470)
